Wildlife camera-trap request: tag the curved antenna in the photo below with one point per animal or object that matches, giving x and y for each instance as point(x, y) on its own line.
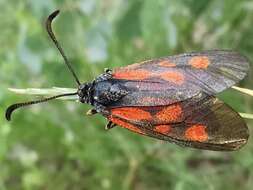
point(13, 107)
point(58, 46)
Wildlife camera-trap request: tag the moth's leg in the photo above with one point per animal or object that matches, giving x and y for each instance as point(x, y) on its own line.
point(110, 125)
point(101, 109)
point(91, 112)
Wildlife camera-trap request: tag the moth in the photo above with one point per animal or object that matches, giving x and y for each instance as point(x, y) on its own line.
point(169, 98)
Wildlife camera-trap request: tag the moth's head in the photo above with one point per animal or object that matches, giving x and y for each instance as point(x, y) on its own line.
point(84, 92)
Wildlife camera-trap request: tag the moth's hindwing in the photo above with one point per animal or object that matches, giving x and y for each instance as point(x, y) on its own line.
point(204, 123)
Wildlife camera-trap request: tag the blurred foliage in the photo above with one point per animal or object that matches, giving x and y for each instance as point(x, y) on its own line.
point(54, 146)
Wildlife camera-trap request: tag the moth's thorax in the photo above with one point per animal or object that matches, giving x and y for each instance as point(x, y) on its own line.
point(101, 92)
point(106, 92)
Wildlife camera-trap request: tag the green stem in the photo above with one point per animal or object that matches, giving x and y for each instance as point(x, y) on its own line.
point(243, 90)
point(46, 92)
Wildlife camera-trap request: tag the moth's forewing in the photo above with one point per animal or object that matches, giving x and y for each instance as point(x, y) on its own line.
point(176, 78)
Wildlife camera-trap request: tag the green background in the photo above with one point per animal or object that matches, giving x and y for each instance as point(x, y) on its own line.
point(55, 146)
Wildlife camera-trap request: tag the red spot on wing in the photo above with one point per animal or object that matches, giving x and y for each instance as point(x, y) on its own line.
point(126, 125)
point(139, 74)
point(166, 63)
point(163, 129)
point(173, 76)
point(196, 133)
point(172, 113)
point(199, 62)
point(131, 113)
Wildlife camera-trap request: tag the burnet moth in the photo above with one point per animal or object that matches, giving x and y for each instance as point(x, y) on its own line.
point(170, 98)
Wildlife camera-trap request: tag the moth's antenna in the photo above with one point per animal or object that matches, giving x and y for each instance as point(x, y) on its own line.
point(52, 36)
point(13, 107)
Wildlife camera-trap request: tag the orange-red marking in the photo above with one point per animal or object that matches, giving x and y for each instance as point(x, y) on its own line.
point(196, 133)
point(171, 113)
point(139, 74)
point(173, 76)
point(166, 63)
point(131, 113)
point(126, 125)
point(164, 129)
point(199, 62)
